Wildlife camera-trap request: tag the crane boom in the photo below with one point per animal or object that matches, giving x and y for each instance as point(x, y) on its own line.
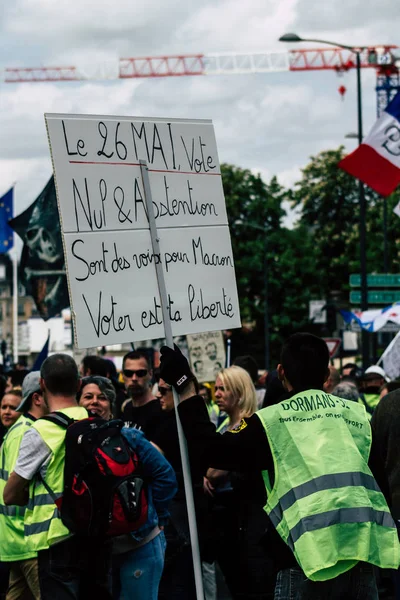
point(337, 59)
point(340, 59)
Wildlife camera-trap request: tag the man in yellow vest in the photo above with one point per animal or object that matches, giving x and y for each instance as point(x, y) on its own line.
point(24, 577)
point(69, 566)
point(314, 452)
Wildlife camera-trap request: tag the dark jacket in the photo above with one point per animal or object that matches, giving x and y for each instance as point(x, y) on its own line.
point(385, 426)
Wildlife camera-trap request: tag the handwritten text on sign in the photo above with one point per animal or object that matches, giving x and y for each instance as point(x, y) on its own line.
point(110, 261)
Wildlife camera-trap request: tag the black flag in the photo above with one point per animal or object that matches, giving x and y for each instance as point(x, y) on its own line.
point(42, 267)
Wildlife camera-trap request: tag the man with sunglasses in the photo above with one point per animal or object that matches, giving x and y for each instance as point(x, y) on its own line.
point(141, 408)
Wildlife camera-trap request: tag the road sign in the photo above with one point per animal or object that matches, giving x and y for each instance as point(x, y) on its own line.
point(317, 311)
point(333, 345)
point(375, 280)
point(376, 297)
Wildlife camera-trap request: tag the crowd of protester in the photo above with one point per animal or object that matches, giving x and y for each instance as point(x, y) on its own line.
point(236, 537)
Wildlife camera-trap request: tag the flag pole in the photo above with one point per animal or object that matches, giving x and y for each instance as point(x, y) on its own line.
point(15, 302)
point(169, 339)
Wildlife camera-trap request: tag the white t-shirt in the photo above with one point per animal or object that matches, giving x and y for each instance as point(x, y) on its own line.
point(34, 455)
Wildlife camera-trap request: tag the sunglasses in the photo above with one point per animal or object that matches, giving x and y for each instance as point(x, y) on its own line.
point(138, 372)
point(164, 390)
point(220, 388)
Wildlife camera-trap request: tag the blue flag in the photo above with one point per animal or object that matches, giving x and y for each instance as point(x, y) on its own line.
point(6, 213)
point(42, 356)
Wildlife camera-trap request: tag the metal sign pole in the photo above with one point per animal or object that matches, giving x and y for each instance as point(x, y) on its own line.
point(169, 339)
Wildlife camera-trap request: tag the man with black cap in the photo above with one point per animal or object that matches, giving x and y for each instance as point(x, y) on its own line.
point(23, 564)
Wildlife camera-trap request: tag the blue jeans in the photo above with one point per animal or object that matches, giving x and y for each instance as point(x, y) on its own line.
point(137, 574)
point(356, 584)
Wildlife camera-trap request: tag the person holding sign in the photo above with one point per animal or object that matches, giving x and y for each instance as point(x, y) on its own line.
point(177, 581)
point(318, 464)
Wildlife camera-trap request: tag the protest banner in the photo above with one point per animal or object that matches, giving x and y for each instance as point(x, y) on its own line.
point(110, 258)
point(207, 354)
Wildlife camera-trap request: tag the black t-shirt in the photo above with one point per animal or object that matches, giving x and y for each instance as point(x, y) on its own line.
point(148, 417)
point(166, 438)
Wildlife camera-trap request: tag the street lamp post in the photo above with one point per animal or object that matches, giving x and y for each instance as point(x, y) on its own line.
point(293, 37)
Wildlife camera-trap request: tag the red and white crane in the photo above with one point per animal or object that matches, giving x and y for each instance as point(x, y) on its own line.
point(381, 58)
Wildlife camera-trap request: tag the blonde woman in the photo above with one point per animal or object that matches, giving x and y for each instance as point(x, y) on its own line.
point(235, 395)
point(239, 523)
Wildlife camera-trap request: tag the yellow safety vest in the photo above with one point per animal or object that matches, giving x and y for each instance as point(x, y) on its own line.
point(12, 541)
point(213, 411)
point(42, 524)
point(372, 400)
point(325, 502)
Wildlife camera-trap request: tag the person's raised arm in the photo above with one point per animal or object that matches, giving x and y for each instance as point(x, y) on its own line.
point(242, 449)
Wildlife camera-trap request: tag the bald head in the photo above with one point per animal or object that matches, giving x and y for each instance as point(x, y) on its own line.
point(332, 381)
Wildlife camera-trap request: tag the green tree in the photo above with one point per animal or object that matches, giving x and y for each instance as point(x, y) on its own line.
point(329, 200)
point(255, 215)
point(253, 208)
point(312, 260)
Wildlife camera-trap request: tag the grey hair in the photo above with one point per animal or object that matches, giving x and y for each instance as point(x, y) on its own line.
point(104, 385)
point(347, 391)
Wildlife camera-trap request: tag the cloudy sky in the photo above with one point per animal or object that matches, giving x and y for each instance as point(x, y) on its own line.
point(270, 123)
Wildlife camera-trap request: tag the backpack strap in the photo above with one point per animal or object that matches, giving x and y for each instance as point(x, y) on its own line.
point(64, 421)
point(60, 419)
point(48, 488)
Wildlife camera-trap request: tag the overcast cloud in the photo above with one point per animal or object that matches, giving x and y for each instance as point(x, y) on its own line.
point(270, 123)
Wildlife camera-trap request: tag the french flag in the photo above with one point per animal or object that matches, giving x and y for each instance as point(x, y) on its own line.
point(377, 160)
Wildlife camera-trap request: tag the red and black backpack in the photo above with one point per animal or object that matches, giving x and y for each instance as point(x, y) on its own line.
point(104, 489)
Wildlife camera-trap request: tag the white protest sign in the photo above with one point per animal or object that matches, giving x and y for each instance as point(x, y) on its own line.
point(207, 354)
point(110, 261)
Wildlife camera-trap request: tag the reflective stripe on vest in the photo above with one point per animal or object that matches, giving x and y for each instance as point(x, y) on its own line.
point(4, 475)
point(325, 503)
point(41, 527)
point(12, 511)
point(324, 482)
point(42, 500)
point(341, 515)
